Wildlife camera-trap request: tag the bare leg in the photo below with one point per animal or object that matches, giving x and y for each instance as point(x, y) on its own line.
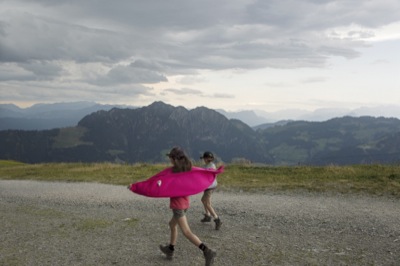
point(209, 210)
point(174, 231)
point(183, 224)
point(209, 254)
point(204, 200)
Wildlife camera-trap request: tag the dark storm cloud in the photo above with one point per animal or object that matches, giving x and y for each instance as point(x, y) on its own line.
point(29, 37)
point(143, 42)
point(194, 34)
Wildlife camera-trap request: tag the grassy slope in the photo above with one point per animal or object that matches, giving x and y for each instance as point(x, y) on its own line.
point(371, 179)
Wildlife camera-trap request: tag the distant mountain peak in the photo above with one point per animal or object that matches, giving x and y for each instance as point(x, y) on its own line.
point(145, 134)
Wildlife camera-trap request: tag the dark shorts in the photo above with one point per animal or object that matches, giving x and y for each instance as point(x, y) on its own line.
point(178, 213)
point(207, 193)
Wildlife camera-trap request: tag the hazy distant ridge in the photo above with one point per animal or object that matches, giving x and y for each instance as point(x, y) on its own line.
point(48, 116)
point(145, 134)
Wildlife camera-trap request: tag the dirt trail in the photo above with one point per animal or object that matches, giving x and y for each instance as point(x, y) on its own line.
point(45, 223)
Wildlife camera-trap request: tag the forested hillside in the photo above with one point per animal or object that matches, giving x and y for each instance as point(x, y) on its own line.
point(146, 134)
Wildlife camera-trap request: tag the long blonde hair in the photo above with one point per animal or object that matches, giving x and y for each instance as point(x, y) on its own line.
point(180, 161)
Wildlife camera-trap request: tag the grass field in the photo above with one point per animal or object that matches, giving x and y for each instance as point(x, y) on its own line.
point(370, 179)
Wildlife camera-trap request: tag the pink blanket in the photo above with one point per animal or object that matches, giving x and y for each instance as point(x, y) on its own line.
point(167, 184)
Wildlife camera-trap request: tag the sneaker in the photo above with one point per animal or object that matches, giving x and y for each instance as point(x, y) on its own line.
point(218, 224)
point(167, 251)
point(206, 219)
point(209, 255)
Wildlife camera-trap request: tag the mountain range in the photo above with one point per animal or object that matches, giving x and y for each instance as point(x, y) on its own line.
point(147, 133)
point(47, 116)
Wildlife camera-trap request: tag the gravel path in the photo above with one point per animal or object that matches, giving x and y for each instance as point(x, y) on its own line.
point(45, 223)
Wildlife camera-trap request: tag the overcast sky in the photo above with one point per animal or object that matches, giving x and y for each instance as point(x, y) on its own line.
point(223, 54)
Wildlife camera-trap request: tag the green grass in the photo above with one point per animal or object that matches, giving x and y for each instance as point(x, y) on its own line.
point(107, 173)
point(371, 179)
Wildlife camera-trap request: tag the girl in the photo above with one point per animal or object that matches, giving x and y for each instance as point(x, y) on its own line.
point(209, 211)
point(179, 205)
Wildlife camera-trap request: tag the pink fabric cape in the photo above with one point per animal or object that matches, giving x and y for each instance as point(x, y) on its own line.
point(167, 184)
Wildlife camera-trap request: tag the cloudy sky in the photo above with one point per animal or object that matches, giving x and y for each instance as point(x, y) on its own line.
point(230, 54)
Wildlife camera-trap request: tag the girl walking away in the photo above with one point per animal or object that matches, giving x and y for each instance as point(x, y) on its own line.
point(179, 205)
point(209, 211)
